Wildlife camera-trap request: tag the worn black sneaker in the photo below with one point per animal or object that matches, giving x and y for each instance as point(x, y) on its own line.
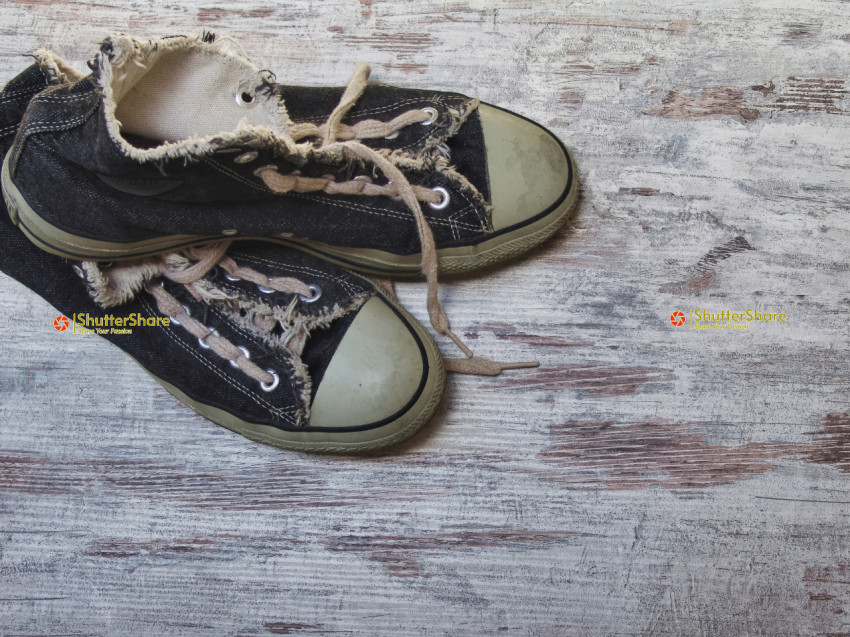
point(265, 340)
point(180, 141)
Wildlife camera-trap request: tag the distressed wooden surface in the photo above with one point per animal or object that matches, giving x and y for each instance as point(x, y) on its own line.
point(647, 479)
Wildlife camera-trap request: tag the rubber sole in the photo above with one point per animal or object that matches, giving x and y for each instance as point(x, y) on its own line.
point(370, 440)
point(458, 259)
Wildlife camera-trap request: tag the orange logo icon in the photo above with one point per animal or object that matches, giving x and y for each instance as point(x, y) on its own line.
point(60, 323)
point(677, 319)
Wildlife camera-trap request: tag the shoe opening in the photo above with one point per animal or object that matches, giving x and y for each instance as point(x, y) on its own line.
point(189, 91)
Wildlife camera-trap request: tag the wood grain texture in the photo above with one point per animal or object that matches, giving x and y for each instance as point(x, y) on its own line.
point(646, 480)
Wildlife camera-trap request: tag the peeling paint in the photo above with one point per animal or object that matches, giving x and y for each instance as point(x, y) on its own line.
point(652, 453)
point(702, 275)
point(824, 95)
point(217, 14)
point(281, 484)
point(292, 628)
point(640, 192)
point(717, 101)
point(511, 333)
point(401, 554)
point(162, 548)
point(398, 43)
point(831, 443)
point(590, 379)
point(659, 453)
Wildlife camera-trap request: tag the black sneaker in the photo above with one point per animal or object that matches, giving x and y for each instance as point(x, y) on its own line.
point(269, 341)
point(179, 141)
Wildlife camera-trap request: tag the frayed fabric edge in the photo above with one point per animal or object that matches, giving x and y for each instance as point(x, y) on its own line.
point(57, 69)
point(109, 287)
point(119, 50)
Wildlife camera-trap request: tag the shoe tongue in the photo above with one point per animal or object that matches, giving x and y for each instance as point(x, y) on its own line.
point(185, 88)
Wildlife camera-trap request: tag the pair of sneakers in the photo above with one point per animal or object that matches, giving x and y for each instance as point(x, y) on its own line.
point(179, 190)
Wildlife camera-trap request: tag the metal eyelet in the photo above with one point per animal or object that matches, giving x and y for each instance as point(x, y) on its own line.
point(392, 135)
point(246, 158)
point(265, 290)
point(245, 99)
point(245, 353)
point(273, 385)
point(185, 309)
point(433, 116)
point(230, 232)
point(439, 205)
point(230, 277)
point(202, 341)
point(317, 292)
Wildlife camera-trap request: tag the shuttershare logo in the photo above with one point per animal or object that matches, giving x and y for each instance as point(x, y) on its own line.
point(724, 319)
point(84, 323)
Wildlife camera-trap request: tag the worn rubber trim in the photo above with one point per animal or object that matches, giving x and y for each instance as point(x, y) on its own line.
point(71, 246)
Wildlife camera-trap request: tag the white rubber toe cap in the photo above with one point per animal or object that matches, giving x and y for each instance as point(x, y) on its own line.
point(374, 374)
point(527, 166)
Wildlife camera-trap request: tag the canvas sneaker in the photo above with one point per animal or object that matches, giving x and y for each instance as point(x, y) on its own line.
point(180, 141)
point(271, 342)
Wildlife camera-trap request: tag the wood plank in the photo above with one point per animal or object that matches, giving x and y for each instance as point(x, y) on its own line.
point(646, 480)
